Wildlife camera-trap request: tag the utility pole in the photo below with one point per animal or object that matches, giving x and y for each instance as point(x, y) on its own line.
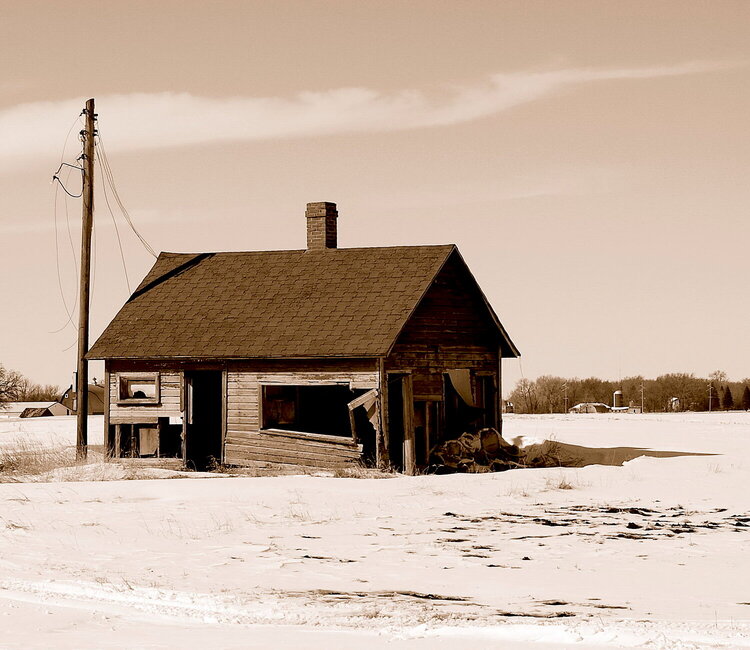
point(82, 388)
point(643, 409)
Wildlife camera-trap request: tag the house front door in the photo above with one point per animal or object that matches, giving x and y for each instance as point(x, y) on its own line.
point(203, 418)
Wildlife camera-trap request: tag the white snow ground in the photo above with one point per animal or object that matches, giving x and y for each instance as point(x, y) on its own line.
point(649, 554)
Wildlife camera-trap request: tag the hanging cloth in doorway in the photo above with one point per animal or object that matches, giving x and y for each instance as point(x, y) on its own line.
point(461, 380)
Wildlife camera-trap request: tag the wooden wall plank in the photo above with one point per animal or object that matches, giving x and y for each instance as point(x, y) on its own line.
point(261, 444)
point(245, 441)
point(236, 456)
point(281, 439)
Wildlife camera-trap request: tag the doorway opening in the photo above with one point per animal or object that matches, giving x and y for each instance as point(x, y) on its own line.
point(203, 419)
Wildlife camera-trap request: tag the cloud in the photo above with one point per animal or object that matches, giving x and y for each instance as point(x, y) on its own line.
point(141, 121)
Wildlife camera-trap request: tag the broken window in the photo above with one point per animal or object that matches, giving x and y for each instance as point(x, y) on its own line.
point(138, 389)
point(364, 419)
point(319, 409)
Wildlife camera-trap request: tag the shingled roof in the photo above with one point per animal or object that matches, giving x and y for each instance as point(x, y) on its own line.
point(349, 302)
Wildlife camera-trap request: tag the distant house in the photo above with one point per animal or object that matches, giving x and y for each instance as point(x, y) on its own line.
point(32, 409)
point(319, 357)
point(96, 399)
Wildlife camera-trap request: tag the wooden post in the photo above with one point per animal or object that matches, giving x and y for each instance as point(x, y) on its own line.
point(499, 392)
point(109, 443)
point(427, 430)
point(353, 425)
point(82, 390)
point(118, 441)
point(224, 411)
point(382, 457)
point(409, 454)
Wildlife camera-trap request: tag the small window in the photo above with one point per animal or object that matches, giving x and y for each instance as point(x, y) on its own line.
point(138, 389)
point(321, 409)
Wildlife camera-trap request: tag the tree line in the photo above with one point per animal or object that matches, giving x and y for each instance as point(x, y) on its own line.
point(670, 392)
point(14, 387)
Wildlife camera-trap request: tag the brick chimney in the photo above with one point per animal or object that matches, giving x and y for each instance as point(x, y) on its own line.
point(321, 225)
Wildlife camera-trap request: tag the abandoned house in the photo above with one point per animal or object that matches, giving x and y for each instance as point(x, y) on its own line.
point(319, 357)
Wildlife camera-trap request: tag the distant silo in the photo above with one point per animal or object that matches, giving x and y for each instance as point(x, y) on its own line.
point(618, 400)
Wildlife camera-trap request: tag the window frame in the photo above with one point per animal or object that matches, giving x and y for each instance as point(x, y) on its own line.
point(134, 377)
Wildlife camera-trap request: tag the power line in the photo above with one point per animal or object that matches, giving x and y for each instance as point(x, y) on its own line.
point(70, 239)
point(69, 312)
point(104, 163)
point(93, 258)
point(57, 258)
point(55, 177)
point(65, 144)
point(114, 222)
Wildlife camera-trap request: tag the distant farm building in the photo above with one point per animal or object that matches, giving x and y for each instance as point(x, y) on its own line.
point(618, 406)
point(32, 409)
point(590, 407)
point(96, 399)
point(319, 357)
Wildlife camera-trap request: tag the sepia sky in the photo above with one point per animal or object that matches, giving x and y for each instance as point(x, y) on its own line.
point(590, 159)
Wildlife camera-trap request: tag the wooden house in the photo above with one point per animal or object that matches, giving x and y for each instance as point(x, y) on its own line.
point(319, 357)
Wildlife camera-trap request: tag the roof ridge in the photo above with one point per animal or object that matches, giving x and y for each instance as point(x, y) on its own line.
point(304, 250)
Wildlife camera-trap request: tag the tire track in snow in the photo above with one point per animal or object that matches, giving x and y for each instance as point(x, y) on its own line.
point(360, 610)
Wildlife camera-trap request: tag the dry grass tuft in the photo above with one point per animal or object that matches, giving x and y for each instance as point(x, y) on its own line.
point(562, 484)
point(256, 469)
point(25, 458)
point(360, 471)
point(24, 461)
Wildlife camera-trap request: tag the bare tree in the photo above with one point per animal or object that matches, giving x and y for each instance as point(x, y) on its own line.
point(11, 382)
point(31, 392)
point(550, 391)
point(524, 396)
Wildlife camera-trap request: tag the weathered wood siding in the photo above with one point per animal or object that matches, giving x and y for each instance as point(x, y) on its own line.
point(246, 444)
point(451, 328)
point(170, 403)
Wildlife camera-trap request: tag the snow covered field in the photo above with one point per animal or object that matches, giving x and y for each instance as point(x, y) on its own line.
point(653, 553)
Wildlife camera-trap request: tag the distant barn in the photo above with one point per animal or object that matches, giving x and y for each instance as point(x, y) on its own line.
point(320, 357)
point(96, 399)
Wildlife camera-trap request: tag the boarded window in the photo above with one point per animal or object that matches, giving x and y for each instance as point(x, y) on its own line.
point(138, 389)
point(153, 440)
point(319, 409)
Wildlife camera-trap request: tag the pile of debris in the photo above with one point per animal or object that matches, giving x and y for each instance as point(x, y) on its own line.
point(483, 451)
